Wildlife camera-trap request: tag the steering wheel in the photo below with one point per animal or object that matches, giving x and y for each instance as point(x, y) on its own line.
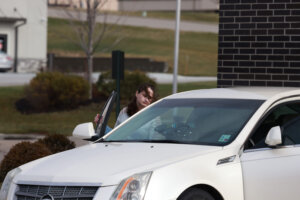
point(183, 131)
point(175, 131)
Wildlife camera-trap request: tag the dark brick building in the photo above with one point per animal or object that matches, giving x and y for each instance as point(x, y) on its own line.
point(259, 43)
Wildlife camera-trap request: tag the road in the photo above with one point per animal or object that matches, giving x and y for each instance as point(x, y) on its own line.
point(17, 79)
point(138, 21)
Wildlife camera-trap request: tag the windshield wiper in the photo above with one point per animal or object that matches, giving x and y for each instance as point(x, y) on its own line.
point(142, 141)
point(161, 141)
point(105, 141)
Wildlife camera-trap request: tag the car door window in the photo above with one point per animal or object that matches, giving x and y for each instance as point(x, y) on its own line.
point(291, 132)
point(287, 116)
point(105, 114)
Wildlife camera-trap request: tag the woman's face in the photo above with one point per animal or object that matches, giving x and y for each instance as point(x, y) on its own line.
point(143, 99)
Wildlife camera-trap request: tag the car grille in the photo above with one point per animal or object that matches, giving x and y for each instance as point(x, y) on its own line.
point(36, 192)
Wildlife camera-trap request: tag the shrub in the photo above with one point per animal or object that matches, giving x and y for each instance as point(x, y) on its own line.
point(20, 154)
point(97, 95)
point(128, 86)
point(50, 91)
point(57, 143)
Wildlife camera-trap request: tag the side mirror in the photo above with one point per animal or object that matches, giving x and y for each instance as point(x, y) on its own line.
point(84, 131)
point(274, 137)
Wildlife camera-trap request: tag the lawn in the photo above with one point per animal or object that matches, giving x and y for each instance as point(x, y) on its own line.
point(11, 121)
point(196, 16)
point(198, 51)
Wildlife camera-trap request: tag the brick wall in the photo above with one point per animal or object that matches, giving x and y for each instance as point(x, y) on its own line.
point(259, 43)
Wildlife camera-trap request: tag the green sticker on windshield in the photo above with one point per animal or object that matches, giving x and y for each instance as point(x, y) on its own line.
point(224, 138)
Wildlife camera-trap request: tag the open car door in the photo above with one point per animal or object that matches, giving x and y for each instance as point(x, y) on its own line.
point(104, 115)
point(86, 131)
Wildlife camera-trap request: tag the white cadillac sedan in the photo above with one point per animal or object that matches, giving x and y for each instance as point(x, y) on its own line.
point(233, 144)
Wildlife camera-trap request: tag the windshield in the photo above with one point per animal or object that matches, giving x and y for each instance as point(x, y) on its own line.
point(188, 121)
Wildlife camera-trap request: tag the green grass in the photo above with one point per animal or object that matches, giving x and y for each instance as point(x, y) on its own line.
point(56, 122)
point(198, 51)
point(11, 121)
point(196, 16)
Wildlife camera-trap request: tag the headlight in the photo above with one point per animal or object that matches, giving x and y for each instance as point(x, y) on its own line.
point(132, 188)
point(7, 182)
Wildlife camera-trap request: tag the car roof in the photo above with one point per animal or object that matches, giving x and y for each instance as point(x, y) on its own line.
point(259, 93)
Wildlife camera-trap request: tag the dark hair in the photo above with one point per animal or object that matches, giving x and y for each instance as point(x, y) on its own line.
point(132, 107)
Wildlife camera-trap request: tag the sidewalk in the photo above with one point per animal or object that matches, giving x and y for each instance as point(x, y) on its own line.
point(17, 79)
point(168, 78)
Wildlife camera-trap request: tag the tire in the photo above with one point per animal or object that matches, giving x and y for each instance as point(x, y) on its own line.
point(195, 194)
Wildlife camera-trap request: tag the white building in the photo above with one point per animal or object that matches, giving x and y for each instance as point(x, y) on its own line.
point(23, 33)
point(144, 5)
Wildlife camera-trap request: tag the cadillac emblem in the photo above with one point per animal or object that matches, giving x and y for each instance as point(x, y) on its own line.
point(47, 197)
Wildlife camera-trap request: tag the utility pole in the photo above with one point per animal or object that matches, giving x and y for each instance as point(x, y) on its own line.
point(176, 49)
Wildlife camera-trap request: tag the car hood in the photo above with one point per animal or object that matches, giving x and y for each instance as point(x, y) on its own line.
point(107, 163)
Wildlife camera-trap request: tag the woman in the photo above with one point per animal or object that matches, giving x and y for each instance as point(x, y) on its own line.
point(144, 96)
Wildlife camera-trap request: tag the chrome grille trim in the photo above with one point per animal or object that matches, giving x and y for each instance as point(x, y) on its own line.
point(36, 192)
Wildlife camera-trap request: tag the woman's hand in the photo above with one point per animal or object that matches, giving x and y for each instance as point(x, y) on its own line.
point(96, 119)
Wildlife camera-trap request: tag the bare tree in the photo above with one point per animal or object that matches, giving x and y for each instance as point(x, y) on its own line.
point(89, 32)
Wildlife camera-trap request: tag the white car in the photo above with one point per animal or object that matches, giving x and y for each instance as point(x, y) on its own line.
point(6, 62)
point(213, 144)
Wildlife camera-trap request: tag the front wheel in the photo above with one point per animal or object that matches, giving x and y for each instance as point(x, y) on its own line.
point(195, 194)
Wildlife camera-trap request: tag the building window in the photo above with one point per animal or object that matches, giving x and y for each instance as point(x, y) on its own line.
point(3, 43)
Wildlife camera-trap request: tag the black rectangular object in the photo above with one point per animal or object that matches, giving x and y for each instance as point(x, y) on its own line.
point(118, 64)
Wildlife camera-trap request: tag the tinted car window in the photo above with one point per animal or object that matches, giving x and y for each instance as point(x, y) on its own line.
point(287, 117)
point(291, 131)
